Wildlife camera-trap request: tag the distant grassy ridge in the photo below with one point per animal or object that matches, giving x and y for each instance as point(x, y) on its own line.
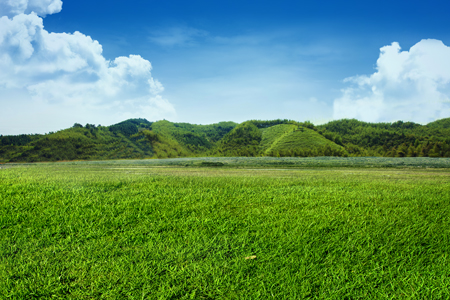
point(139, 138)
point(294, 140)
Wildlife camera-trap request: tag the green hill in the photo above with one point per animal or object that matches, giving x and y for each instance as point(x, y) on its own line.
point(282, 138)
point(390, 139)
point(191, 137)
point(300, 141)
point(183, 139)
point(133, 138)
point(139, 138)
point(272, 134)
point(243, 140)
point(440, 124)
point(81, 144)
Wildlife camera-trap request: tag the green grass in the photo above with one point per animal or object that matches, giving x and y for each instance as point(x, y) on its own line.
point(133, 230)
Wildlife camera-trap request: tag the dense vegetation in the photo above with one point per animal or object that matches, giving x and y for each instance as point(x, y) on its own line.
point(139, 138)
point(397, 139)
point(134, 138)
point(124, 230)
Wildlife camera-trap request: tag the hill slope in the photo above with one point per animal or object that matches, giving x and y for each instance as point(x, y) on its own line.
point(243, 140)
point(133, 138)
point(300, 141)
point(184, 139)
point(80, 144)
point(391, 139)
point(139, 138)
point(282, 138)
point(440, 124)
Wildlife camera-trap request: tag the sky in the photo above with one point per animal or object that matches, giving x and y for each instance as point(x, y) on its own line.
point(202, 62)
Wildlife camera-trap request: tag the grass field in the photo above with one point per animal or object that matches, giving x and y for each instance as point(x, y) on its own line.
point(160, 230)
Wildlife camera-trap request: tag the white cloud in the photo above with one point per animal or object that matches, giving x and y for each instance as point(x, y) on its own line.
point(409, 85)
point(42, 8)
point(67, 73)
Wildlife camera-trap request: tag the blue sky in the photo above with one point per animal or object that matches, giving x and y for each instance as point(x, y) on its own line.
point(208, 61)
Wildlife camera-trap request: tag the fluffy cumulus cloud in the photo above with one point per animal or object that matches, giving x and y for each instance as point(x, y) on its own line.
point(40, 7)
point(409, 85)
point(69, 71)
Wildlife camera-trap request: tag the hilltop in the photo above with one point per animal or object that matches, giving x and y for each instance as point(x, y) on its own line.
point(130, 139)
point(139, 138)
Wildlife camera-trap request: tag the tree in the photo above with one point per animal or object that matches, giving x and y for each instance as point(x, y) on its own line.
point(402, 150)
point(434, 152)
point(411, 151)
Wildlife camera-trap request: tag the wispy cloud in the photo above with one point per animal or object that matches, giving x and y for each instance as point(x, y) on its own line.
point(177, 36)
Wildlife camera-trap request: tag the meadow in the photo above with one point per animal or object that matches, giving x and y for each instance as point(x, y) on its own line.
point(226, 228)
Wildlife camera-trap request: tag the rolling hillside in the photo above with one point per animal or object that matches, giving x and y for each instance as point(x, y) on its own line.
point(139, 138)
point(79, 144)
point(134, 138)
point(184, 139)
point(292, 140)
point(282, 138)
point(390, 139)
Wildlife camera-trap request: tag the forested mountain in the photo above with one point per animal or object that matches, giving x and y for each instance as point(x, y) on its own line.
point(139, 138)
